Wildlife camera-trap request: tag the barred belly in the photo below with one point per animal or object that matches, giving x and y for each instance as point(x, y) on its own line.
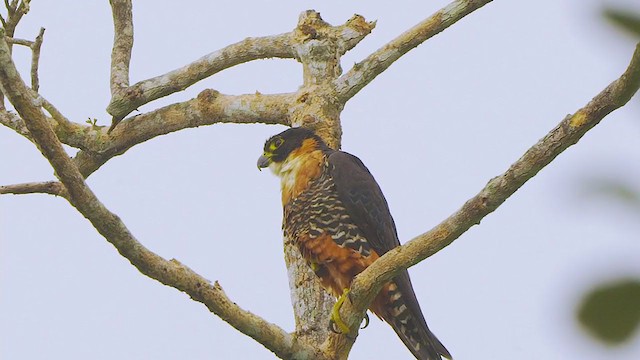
point(335, 248)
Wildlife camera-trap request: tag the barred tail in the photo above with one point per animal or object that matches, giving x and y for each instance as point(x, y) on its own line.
point(397, 305)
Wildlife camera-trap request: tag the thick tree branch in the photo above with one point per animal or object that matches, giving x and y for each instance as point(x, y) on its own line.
point(209, 107)
point(170, 273)
point(565, 134)
point(35, 58)
point(122, 44)
point(364, 72)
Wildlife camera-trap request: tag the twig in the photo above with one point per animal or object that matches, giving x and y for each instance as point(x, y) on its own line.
point(122, 44)
point(170, 273)
point(48, 187)
point(35, 60)
point(11, 7)
point(80, 136)
point(364, 72)
point(62, 120)
point(16, 41)
point(14, 122)
point(16, 10)
point(76, 135)
point(565, 134)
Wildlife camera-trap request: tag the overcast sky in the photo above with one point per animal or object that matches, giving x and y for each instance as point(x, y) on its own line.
point(433, 129)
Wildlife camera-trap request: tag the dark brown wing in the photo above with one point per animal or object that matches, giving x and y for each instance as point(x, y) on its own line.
point(361, 196)
point(363, 199)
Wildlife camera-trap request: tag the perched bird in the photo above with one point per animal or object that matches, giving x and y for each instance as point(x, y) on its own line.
point(337, 215)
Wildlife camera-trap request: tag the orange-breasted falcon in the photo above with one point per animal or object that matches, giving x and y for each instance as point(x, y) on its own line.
point(337, 215)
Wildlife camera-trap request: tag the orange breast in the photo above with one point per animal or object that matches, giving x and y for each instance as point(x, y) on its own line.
point(335, 265)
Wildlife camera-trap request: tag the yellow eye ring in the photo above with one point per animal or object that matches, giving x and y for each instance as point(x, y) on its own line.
point(277, 142)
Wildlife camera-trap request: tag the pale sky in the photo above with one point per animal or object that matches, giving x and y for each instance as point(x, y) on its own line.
point(433, 129)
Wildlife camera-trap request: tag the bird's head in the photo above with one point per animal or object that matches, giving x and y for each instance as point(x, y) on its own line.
point(282, 150)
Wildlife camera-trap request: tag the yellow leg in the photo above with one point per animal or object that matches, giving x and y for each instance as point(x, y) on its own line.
point(314, 266)
point(342, 328)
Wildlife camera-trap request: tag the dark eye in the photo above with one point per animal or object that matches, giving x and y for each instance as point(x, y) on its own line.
point(276, 143)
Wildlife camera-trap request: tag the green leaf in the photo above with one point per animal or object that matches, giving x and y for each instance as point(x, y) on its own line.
point(615, 189)
point(611, 312)
point(624, 19)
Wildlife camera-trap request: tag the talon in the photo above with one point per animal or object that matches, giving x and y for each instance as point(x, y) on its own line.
point(335, 320)
point(333, 328)
point(366, 321)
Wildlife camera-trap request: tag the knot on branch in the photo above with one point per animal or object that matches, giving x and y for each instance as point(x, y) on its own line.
point(208, 95)
point(319, 45)
point(310, 25)
point(316, 38)
point(205, 101)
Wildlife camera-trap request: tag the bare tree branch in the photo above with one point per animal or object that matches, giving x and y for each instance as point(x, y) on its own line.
point(16, 41)
point(121, 52)
point(14, 122)
point(364, 72)
point(170, 273)
point(60, 119)
point(35, 57)
point(566, 133)
point(122, 44)
point(209, 107)
point(76, 135)
point(16, 10)
point(47, 187)
point(35, 60)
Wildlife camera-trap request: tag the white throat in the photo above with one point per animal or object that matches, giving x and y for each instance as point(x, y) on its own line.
point(287, 170)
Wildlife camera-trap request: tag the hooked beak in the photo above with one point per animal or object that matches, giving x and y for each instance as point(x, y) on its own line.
point(263, 162)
